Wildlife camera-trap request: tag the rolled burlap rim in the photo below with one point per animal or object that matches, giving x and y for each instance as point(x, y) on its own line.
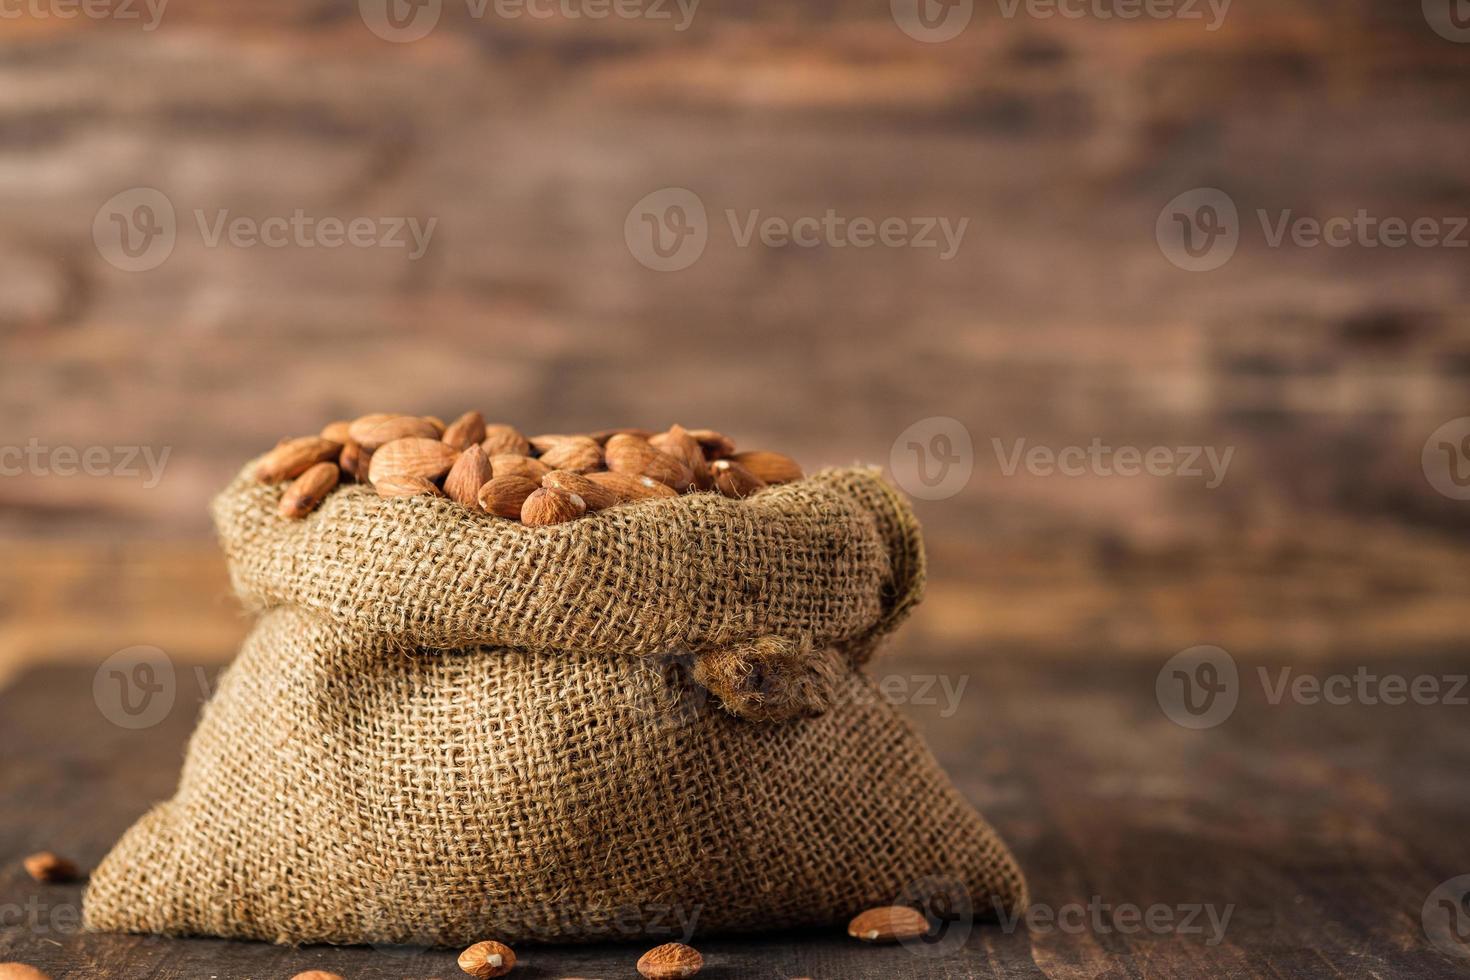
point(776, 597)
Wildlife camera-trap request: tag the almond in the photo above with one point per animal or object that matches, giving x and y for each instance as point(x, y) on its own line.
point(601, 436)
point(771, 467)
point(636, 457)
point(413, 456)
point(670, 961)
point(505, 440)
point(317, 975)
point(631, 488)
point(372, 431)
point(309, 490)
point(406, 486)
point(354, 462)
point(20, 971)
point(508, 465)
point(594, 494)
point(546, 440)
point(504, 495)
point(294, 457)
point(580, 454)
point(716, 445)
point(469, 473)
point(337, 431)
point(887, 924)
point(734, 480)
point(487, 959)
point(548, 505)
point(437, 423)
point(465, 431)
point(48, 867)
point(677, 442)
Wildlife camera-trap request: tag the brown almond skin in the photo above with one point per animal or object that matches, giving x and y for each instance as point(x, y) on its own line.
point(734, 480)
point(631, 488)
point(888, 924)
point(594, 494)
point(771, 467)
point(541, 443)
point(21, 971)
point(337, 431)
point(414, 456)
point(469, 473)
point(549, 505)
point(372, 431)
point(579, 454)
point(677, 442)
point(505, 440)
point(406, 486)
point(670, 962)
point(48, 867)
point(308, 490)
point(508, 465)
point(601, 436)
point(353, 462)
point(294, 457)
point(317, 975)
point(487, 959)
point(636, 457)
point(504, 495)
point(716, 445)
point(465, 431)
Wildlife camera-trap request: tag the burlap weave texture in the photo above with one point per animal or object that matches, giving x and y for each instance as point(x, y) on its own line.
point(447, 727)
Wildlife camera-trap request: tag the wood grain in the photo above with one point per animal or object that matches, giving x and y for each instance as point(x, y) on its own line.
point(1322, 829)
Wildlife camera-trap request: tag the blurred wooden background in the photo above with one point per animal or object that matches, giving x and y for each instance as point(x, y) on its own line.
point(1059, 321)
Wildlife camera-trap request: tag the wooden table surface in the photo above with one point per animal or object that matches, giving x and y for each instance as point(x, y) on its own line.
point(1322, 830)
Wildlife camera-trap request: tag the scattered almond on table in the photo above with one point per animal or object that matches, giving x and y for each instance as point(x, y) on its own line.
point(888, 924)
point(48, 867)
point(495, 469)
point(670, 961)
point(317, 975)
point(19, 971)
point(487, 959)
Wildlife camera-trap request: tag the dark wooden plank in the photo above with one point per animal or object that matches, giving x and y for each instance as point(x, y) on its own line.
point(1321, 829)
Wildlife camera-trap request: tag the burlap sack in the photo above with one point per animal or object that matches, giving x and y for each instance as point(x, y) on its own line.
point(447, 727)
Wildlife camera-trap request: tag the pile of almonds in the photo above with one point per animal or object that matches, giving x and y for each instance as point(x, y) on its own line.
point(540, 480)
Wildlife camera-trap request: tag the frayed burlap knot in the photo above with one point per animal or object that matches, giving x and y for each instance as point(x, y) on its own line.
point(648, 722)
